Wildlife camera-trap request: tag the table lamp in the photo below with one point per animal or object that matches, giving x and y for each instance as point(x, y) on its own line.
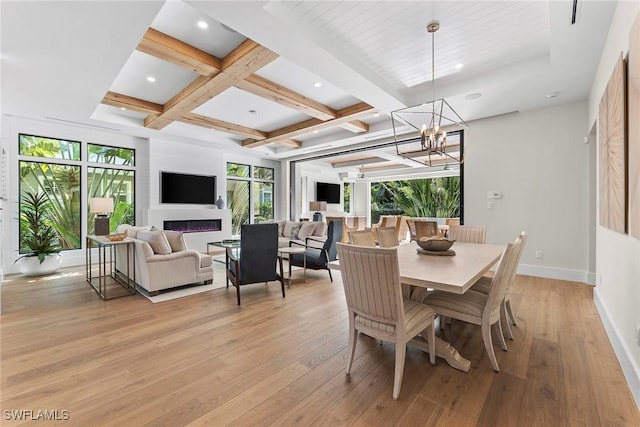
point(317, 206)
point(101, 206)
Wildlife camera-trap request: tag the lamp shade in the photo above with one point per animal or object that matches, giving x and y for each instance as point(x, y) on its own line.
point(317, 206)
point(101, 205)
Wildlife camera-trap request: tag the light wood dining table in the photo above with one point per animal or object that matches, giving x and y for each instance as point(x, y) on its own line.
point(455, 274)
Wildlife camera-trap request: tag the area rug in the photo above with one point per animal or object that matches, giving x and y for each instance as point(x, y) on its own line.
point(219, 282)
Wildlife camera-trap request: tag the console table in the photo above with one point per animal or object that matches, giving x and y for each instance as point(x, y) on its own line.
point(108, 275)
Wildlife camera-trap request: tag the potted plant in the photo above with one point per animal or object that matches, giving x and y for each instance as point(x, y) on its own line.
point(38, 240)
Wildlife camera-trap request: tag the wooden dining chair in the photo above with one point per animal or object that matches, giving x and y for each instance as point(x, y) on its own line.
point(387, 237)
point(371, 280)
point(403, 228)
point(483, 285)
point(362, 238)
point(426, 229)
point(468, 233)
point(452, 221)
point(478, 308)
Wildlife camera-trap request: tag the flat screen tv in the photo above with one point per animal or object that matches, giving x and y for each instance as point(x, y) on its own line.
point(189, 189)
point(327, 192)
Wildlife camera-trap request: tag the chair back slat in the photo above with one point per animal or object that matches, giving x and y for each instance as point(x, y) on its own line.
point(361, 238)
point(426, 229)
point(468, 233)
point(371, 280)
point(387, 237)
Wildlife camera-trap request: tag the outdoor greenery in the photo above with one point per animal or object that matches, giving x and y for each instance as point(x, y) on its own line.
point(254, 190)
point(60, 183)
point(347, 197)
point(433, 198)
point(38, 237)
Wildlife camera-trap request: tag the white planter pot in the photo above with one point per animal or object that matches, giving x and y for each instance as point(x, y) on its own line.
point(31, 266)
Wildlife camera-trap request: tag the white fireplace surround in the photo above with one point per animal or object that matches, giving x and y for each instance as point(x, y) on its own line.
point(196, 241)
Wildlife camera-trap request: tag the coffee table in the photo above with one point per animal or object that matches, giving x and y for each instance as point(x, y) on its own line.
point(289, 251)
point(219, 248)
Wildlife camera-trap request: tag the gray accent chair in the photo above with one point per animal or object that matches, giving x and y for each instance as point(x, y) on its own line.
point(319, 258)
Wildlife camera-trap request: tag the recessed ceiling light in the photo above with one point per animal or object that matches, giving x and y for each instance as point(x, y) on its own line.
point(317, 84)
point(151, 79)
point(122, 108)
point(203, 25)
point(458, 66)
point(472, 96)
point(315, 131)
point(254, 112)
point(552, 95)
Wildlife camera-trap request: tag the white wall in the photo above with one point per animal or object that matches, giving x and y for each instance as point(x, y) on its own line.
point(539, 161)
point(617, 292)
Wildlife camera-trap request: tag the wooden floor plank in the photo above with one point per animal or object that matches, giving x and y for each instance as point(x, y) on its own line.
point(281, 361)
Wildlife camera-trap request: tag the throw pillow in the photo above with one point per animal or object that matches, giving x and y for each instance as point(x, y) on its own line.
point(321, 229)
point(132, 231)
point(157, 240)
point(288, 225)
point(176, 240)
point(293, 233)
point(306, 229)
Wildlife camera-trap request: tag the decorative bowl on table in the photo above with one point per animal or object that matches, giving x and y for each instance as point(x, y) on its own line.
point(118, 237)
point(434, 244)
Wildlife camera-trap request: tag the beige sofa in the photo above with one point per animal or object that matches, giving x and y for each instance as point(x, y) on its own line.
point(298, 231)
point(163, 260)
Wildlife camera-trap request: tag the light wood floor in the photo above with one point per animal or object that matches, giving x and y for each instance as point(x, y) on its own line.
point(273, 361)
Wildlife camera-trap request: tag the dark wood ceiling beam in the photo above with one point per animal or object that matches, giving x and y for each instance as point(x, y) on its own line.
point(177, 52)
point(344, 115)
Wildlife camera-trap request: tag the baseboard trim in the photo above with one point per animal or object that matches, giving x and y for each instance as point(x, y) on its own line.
point(629, 367)
point(555, 273)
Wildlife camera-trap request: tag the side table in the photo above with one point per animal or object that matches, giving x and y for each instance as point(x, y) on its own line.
point(289, 251)
point(108, 266)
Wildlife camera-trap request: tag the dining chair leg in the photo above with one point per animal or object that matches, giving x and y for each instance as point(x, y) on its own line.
point(503, 343)
point(330, 278)
point(507, 303)
point(353, 337)
point(488, 345)
point(401, 350)
point(431, 342)
point(505, 319)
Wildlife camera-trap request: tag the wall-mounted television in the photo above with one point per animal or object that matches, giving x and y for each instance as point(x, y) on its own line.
point(186, 188)
point(327, 192)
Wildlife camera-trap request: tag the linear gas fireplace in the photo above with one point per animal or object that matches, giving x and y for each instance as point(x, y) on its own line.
point(194, 225)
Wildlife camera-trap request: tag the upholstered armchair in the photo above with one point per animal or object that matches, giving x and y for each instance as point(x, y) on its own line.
point(319, 258)
point(257, 258)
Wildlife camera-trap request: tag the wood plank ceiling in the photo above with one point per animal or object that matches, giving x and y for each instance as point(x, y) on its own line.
point(236, 69)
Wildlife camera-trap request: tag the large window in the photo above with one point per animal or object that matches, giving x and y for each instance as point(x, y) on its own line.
point(432, 198)
point(53, 167)
point(346, 200)
point(249, 194)
point(117, 182)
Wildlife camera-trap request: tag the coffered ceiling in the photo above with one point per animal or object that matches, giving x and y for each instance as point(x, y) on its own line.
point(288, 79)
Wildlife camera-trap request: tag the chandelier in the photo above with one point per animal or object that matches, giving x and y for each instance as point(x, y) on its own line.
point(439, 141)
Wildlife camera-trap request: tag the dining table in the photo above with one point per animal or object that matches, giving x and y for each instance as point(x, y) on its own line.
point(455, 274)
